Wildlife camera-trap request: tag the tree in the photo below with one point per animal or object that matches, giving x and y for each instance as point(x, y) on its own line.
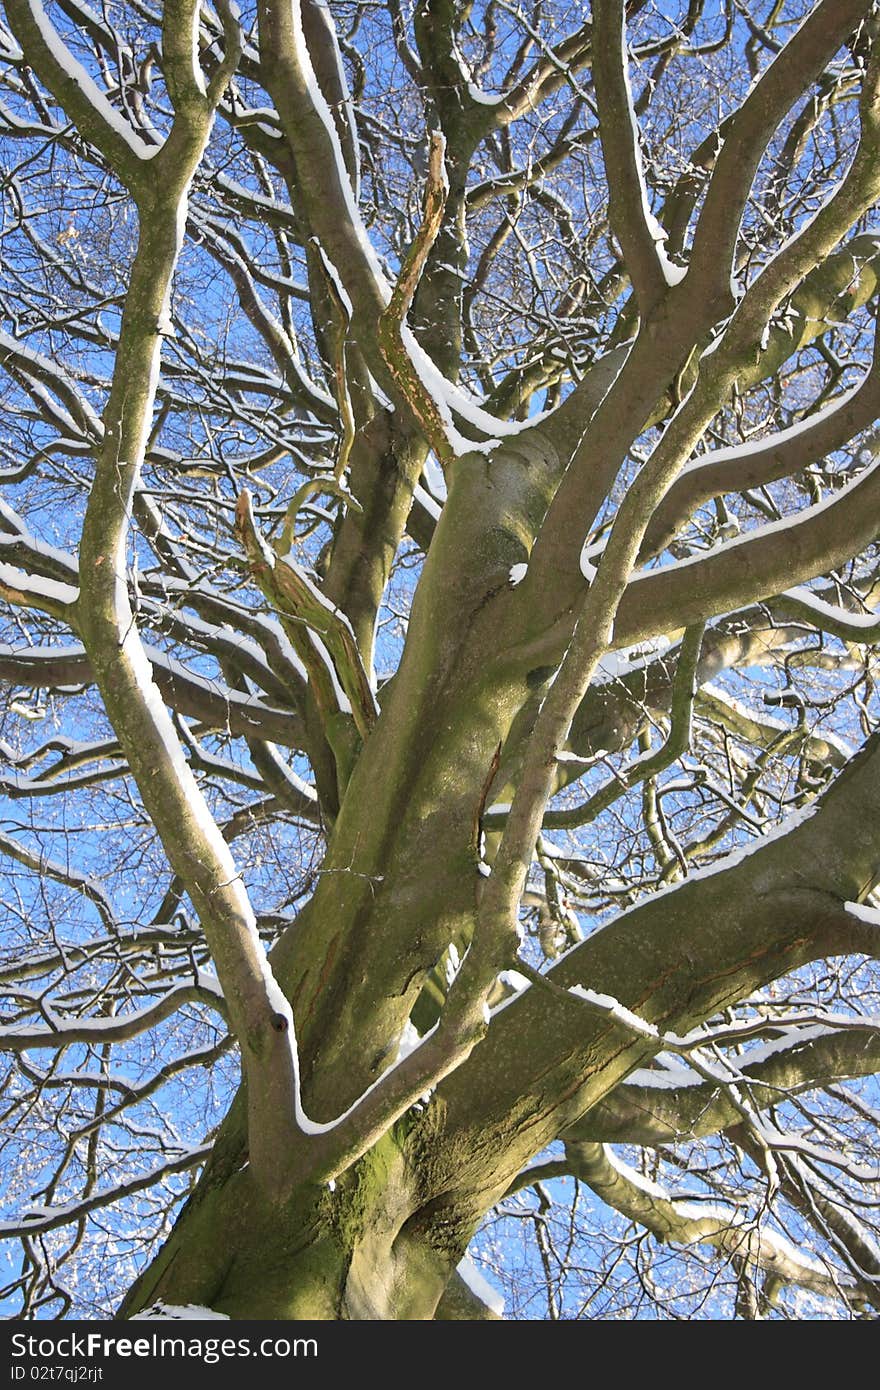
point(525, 355)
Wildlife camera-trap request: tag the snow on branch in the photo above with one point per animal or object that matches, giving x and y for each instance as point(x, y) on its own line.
point(687, 1220)
point(36, 591)
point(40, 1220)
point(78, 93)
point(64, 1031)
point(748, 133)
point(849, 627)
point(640, 235)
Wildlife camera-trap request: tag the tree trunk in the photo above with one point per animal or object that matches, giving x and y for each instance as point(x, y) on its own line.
point(383, 1241)
point(356, 1248)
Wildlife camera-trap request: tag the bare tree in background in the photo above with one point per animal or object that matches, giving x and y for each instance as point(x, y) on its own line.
point(438, 568)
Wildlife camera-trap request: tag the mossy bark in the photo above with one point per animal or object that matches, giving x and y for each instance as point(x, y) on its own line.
point(360, 1248)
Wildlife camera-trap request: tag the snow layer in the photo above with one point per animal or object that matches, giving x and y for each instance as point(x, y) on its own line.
point(192, 1312)
point(480, 1286)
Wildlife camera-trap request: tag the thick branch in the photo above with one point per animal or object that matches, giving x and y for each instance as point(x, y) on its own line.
point(634, 225)
point(687, 1222)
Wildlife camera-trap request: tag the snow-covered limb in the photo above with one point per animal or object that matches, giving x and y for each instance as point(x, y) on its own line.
point(79, 94)
point(397, 348)
point(233, 625)
point(227, 644)
point(555, 66)
point(327, 177)
point(758, 565)
point(659, 1103)
point(777, 456)
point(19, 543)
point(222, 245)
point(611, 431)
point(864, 913)
point(761, 728)
point(176, 940)
point(687, 1220)
point(76, 417)
point(640, 235)
point(53, 1218)
point(771, 96)
point(649, 764)
point(194, 844)
point(842, 1224)
point(693, 1045)
point(849, 627)
point(197, 697)
point(35, 591)
point(64, 1031)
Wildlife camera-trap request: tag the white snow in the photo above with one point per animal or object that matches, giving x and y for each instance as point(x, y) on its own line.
point(587, 568)
point(517, 574)
point(427, 501)
point(606, 1003)
point(484, 98)
point(309, 1126)
point(830, 610)
point(197, 74)
point(36, 587)
point(474, 92)
point(162, 1312)
point(342, 700)
point(616, 665)
point(434, 477)
point(670, 1075)
point(480, 1286)
point(673, 274)
point(736, 706)
point(290, 776)
point(29, 712)
point(453, 962)
point(515, 980)
point(408, 1041)
point(438, 388)
point(864, 913)
point(333, 275)
point(207, 980)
